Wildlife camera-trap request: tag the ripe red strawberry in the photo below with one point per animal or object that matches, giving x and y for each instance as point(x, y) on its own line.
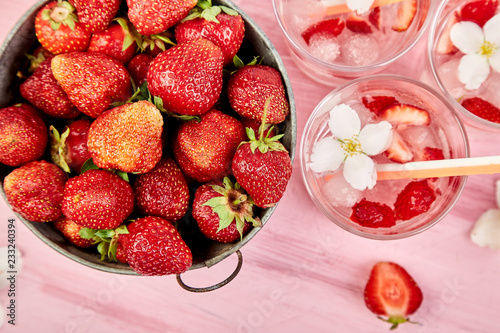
point(187, 77)
point(154, 247)
point(42, 90)
point(71, 230)
point(58, 30)
point(138, 67)
point(357, 24)
point(415, 199)
point(153, 17)
point(479, 11)
point(269, 130)
point(430, 154)
point(97, 199)
point(406, 114)
point(406, 13)
point(35, 191)
point(155, 44)
point(219, 24)
point(121, 248)
point(373, 214)
point(204, 149)
point(329, 28)
point(162, 191)
point(398, 151)
point(96, 15)
point(391, 292)
point(375, 17)
point(23, 135)
point(92, 80)
point(482, 109)
point(223, 211)
point(69, 150)
point(251, 86)
point(127, 138)
point(444, 44)
point(116, 41)
point(39, 55)
point(377, 104)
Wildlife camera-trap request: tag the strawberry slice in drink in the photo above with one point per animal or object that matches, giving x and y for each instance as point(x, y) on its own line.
point(406, 13)
point(373, 214)
point(479, 11)
point(357, 24)
point(406, 114)
point(482, 108)
point(415, 199)
point(327, 29)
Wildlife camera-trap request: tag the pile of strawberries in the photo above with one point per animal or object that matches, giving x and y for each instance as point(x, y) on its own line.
point(139, 120)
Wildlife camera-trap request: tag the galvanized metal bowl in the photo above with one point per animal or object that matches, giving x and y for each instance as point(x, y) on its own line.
point(206, 253)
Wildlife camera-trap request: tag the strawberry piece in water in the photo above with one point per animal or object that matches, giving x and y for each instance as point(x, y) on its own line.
point(406, 114)
point(392, 292)
point(377, 104)
point(328, 29)
point(373, 214)
point(406, 13)
point(479, 11)
point(430, 154)
point(358, 24)
point(375, 17)
point(415, 199)
point(482, 108)
point(399, 151)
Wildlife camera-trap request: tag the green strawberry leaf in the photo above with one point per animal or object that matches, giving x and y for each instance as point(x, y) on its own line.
point(57, 148)
point(87, 233)
point(123, 175)
point(204, 4)
point(88, 165)
point(229, 11)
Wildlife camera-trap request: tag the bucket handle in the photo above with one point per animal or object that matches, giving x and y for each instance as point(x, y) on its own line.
point(215, 286)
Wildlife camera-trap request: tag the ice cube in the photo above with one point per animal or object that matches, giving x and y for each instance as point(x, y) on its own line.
point(300, 14)
point(491, 89)
point(448, 74)
point(339, 192)
point(324, 48)
point(360, 50)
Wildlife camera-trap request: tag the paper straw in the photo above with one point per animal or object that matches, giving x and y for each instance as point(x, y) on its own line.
point(339, 6)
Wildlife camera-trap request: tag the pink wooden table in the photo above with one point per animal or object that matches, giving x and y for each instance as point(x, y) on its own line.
point(300, 273)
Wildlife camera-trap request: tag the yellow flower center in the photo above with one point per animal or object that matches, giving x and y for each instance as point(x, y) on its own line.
point(487, 49)
point(351, 146)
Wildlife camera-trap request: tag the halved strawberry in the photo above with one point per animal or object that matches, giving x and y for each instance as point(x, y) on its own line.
point(415, 199)
point(482, 108)
point(392, 292)
point(328, 28)
point(356, 23)
point(377, 104)
point(406, 114)
point(444, 44)
point(406, 13)
point(373, 214)
point(399, 151)
point(479, 11)
point(430, 154)
point(375, 17)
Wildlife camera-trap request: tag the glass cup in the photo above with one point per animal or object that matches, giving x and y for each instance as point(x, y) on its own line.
point(335, 197)
point(444, 59)
point(366, 44)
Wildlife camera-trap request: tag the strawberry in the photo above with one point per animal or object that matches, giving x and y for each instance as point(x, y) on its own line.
point(162, 191)
point(479, 11)
point(23, 135)
point(42, 90)
point(155, 44)
point(121, 248)
point(127, 138)
point(391, 292)
point(97, 199)
point(91, 80)
point(39, 55)
point(71, 230)
point(416, 198)
point(406, 114)
point(219, 24)
point(406, 13)
point(430, 154)
point(96, 15)
point(138, 68)
point(398, 151)
point(204, 149)
point(187, 77)
point(377, 104)
point(223, 211)
point(58, 30)
point(329, 28)
point(269, 130)
point(69, 150)
point(154, 247)
point(375, 17)
point(251, 86)
point(357, 24)
point(444, 44)
point(373, 214)
point(153, 17)
point(35, 191)
point(482, 109)
point(116, 41)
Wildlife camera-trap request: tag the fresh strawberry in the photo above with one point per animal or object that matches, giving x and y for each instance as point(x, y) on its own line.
point(204, 149)
point(444, 44)
point(121, 248)
point(479, 11)
point(155, 44)
point(71, 230)
point(415, 199)
point(373, 214)
point(329, 28)
point(406, 13)
point(58, 30)
point(42, 90)
point(92, 80)
point(391, 292)
point(138, 67)
point(110, 242)
point(377, 104)
point(482, 109)
point(127, 138)
point(96, 15)
point(219, 24)
point(375, 17)
point(406, 114)
point(357, 24)
point(269, 130)
point(154, 247)
point(97, 199)
point(430, 154)
point(187, 77)
point(223, 211)
point(116, 41)
point(251, 86)
point(398, 151)
point(162, 191)
point(153, 17)
point(23, 135)
point(69, 150)
point(35, 191)
point(39, 55)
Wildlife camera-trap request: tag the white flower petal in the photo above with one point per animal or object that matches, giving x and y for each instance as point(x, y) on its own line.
point(359, 6)
point(495, 60)
point(486, 231)
point(359, 171)
point(467, 36)
point(492, 30)
point(376, 138)
point(327, 155)
point(344, 122)
point(473, 70)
